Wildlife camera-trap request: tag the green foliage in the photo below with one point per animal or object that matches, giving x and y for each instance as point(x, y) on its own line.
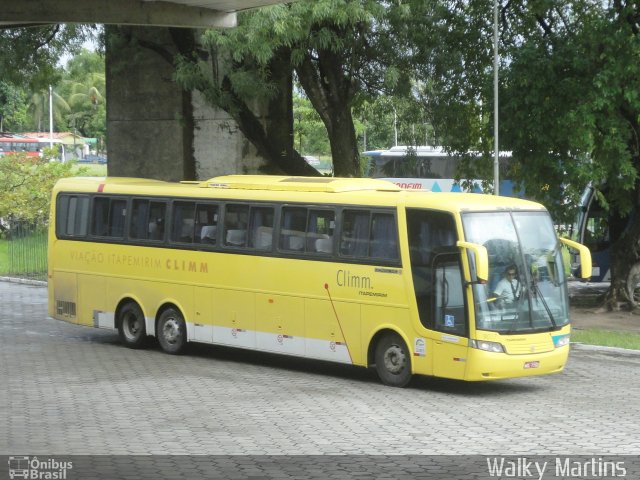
point(310, 135)
point(29, 56)
point(29, 61)
point(13, 108)
point(83, 86)
point(342, 52)
point(39, 108)
point(569, 102)
point(26, 183)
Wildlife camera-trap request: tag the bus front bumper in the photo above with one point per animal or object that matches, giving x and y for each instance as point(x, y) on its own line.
point(483, 365)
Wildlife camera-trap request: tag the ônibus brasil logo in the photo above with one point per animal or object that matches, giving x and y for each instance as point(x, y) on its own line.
point(34, 468)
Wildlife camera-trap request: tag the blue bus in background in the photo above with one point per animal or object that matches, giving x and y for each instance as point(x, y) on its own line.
point(598, 229)
point(428, 168)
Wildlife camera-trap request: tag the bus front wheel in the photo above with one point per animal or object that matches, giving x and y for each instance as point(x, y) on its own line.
point(172, 331)
point(131, 326)
point(393, 361)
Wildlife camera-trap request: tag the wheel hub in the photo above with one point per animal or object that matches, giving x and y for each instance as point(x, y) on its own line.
point(171, 330)
point(394, 359)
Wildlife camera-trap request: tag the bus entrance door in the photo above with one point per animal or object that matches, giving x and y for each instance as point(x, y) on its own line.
point(450, 320)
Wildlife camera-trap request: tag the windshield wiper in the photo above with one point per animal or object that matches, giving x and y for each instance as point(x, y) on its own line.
point(536, 289)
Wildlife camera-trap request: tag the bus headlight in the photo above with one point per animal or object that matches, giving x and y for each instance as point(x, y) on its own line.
point(560, 340)
point(487, 346)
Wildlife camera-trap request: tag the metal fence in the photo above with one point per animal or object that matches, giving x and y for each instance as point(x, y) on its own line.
point(27, 251)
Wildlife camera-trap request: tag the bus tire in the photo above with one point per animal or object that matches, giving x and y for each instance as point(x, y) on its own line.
point(393, 361)
point(172, 331)
point(131, 326)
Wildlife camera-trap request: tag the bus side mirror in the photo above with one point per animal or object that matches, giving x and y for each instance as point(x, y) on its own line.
point(585, 257)
point(481, 258)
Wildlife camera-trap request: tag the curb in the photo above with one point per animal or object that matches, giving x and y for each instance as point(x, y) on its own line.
point(610, 350)
point(24, 281)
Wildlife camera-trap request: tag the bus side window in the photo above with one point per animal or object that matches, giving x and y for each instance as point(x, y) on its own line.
point(292, 229)
point(117, 218)
point(100, 216)
point(157, 215)
point(261, 231)
point(369, 235)
point(109, 216)
point(320, 227)
point(236, 220)
point(384, 236)
point(354, 241)
point(72, 215)
point(183, 222)
point(206, 223)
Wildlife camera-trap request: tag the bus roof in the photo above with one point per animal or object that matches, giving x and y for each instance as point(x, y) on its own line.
point(311, 189)
point(300, 184)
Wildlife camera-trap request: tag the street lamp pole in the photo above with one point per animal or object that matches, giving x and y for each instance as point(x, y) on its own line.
point(50, 117)
point(496, 163)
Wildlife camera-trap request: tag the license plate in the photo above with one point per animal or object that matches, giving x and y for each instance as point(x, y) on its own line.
point(531, 365)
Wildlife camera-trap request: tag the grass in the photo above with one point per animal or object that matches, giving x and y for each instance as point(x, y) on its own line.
point(24, 257)
point(607, 338)
point(4, 257)
point(91, 170)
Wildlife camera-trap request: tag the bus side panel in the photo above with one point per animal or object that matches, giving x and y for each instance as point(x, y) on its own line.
point(233, 318)
point(280, 324)
point(324, 336)
point(93, 309)
point(65, 296)
point(203, 320)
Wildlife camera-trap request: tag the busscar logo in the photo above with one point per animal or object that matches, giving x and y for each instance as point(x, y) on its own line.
point(38, 469)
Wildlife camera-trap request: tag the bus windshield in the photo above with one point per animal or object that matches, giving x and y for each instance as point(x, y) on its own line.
point(526, 290)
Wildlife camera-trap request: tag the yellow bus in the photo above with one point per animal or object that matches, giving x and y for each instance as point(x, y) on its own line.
point(355, 271)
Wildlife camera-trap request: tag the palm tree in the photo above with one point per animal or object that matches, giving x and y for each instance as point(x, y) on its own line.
point(88, 94)
point(39, 107)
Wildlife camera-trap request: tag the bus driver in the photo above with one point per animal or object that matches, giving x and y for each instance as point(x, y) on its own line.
point(509, 289)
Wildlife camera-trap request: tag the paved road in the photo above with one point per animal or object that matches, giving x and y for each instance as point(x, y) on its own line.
point(75, 390)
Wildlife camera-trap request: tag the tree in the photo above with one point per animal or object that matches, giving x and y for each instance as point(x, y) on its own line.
point(310, 136)
point(569, 108)
point(39, 109)
point(29, 55)
point(340, 50)
point(13, 108)
point(26, 184)
point(83, 87)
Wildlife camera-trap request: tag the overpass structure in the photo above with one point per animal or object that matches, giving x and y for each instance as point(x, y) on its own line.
point(154, 128)
point(168, 13)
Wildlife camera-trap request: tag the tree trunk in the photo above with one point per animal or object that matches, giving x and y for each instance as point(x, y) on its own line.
point(275, 142)
point(625, 262)
point(331, 94)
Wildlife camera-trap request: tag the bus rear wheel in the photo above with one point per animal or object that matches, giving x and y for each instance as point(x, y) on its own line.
point(131, 326)
point(393, 361)
point(172, 331)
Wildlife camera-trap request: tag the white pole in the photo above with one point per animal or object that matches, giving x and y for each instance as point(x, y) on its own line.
point(50, 117)
point(496, 164)
point(395, 127)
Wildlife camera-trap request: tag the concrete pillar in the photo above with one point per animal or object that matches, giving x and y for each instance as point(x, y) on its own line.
point(154, 128)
